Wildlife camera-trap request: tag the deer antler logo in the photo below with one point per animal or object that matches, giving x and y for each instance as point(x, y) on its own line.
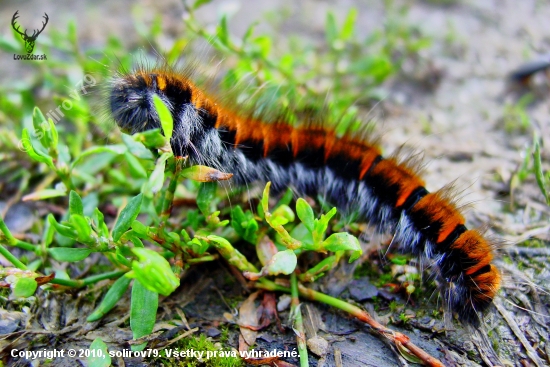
point(29, 40)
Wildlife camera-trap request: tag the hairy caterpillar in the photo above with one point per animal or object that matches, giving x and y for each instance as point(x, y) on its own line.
point(350, 171)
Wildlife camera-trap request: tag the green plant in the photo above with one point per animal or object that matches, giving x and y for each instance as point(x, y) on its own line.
point(81, 164)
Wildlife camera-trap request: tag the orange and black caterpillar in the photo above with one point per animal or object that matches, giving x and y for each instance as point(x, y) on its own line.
point(349, 171)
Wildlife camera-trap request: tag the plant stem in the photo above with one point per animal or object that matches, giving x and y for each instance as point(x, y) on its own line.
point(298, 321)
point(169, 194)
point(12, 241)
point(396, 337)
point(400, 340)
point(198, 260)
point(90, 280)
point(12, 259)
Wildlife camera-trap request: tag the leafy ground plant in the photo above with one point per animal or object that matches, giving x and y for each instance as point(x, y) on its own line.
point(118, 221)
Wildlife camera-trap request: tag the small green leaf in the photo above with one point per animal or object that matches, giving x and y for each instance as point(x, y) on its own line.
point(143, 312)
point(331, 28)
point(349, 24)
point(136, 168)
point(320, 269)
point(99, 355)
point(53, 135)
point(343, 242)
point(44, 194)
point(283, 262)
point(75, 204)
point(151, 138)
point(282, 215)
point(244, 224)
point(539, 174)
point(24, 287)
point(65, 254)
point(36, 155)
point(205, 196)
point(266, 249)
point(321, 225)
point(153, 271)
point(102, 228)
point(156, 180)
point(265, 198)
point(165, 117)
point(140, 228)
point(117, 149)
point(62, 229)
point(41, 126)
point(305, 213)
point(223, 33)
point(249, 32)
point(127, 216)
point(82, 228)
point(113, 295)
point(198, 3)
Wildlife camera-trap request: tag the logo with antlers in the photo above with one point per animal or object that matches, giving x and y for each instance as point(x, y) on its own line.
point(29, 40)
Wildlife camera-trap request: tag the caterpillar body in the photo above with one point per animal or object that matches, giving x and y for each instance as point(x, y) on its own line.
point(349, 171)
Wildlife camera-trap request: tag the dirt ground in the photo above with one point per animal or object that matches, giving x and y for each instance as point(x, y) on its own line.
point(459, 124)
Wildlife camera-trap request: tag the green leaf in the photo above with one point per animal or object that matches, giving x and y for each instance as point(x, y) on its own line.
point(305, 213)
point(62, 229)
point(282, 215)
point(343, 242)
point(135, 166)
point(143, 312)
point(154, 271)
point(165, 117)
point(82, 228)
point(349, 24)
point(321, 225)
point(151, 138)
point(331, 29)
point(244, 224)
point(41, 126)
point(263, 44)
point(137, 149)
point(33, 153)
point(318, 270)
point(265, 198)
point(113, 295)
point(249, 32)
point(102, 228)
point(44, 194)
point(198, 3)
point(65, 254)
point(302, 234)
point(539, 174)
point(140, 228)
point(24, 287)
point(53, 135)
point(223, 33)
point(156, 180)
point(75, 204)
point(283, 262)
point(205, 197)
point(117, 149)
point(127, 216)
point(99, 355)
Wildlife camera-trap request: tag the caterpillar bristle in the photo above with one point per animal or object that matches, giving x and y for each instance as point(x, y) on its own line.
point(349, 171)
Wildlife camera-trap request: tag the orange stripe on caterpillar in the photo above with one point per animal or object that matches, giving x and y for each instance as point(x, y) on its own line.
point(401, 175)
point(348, 171)
point(439, 209)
